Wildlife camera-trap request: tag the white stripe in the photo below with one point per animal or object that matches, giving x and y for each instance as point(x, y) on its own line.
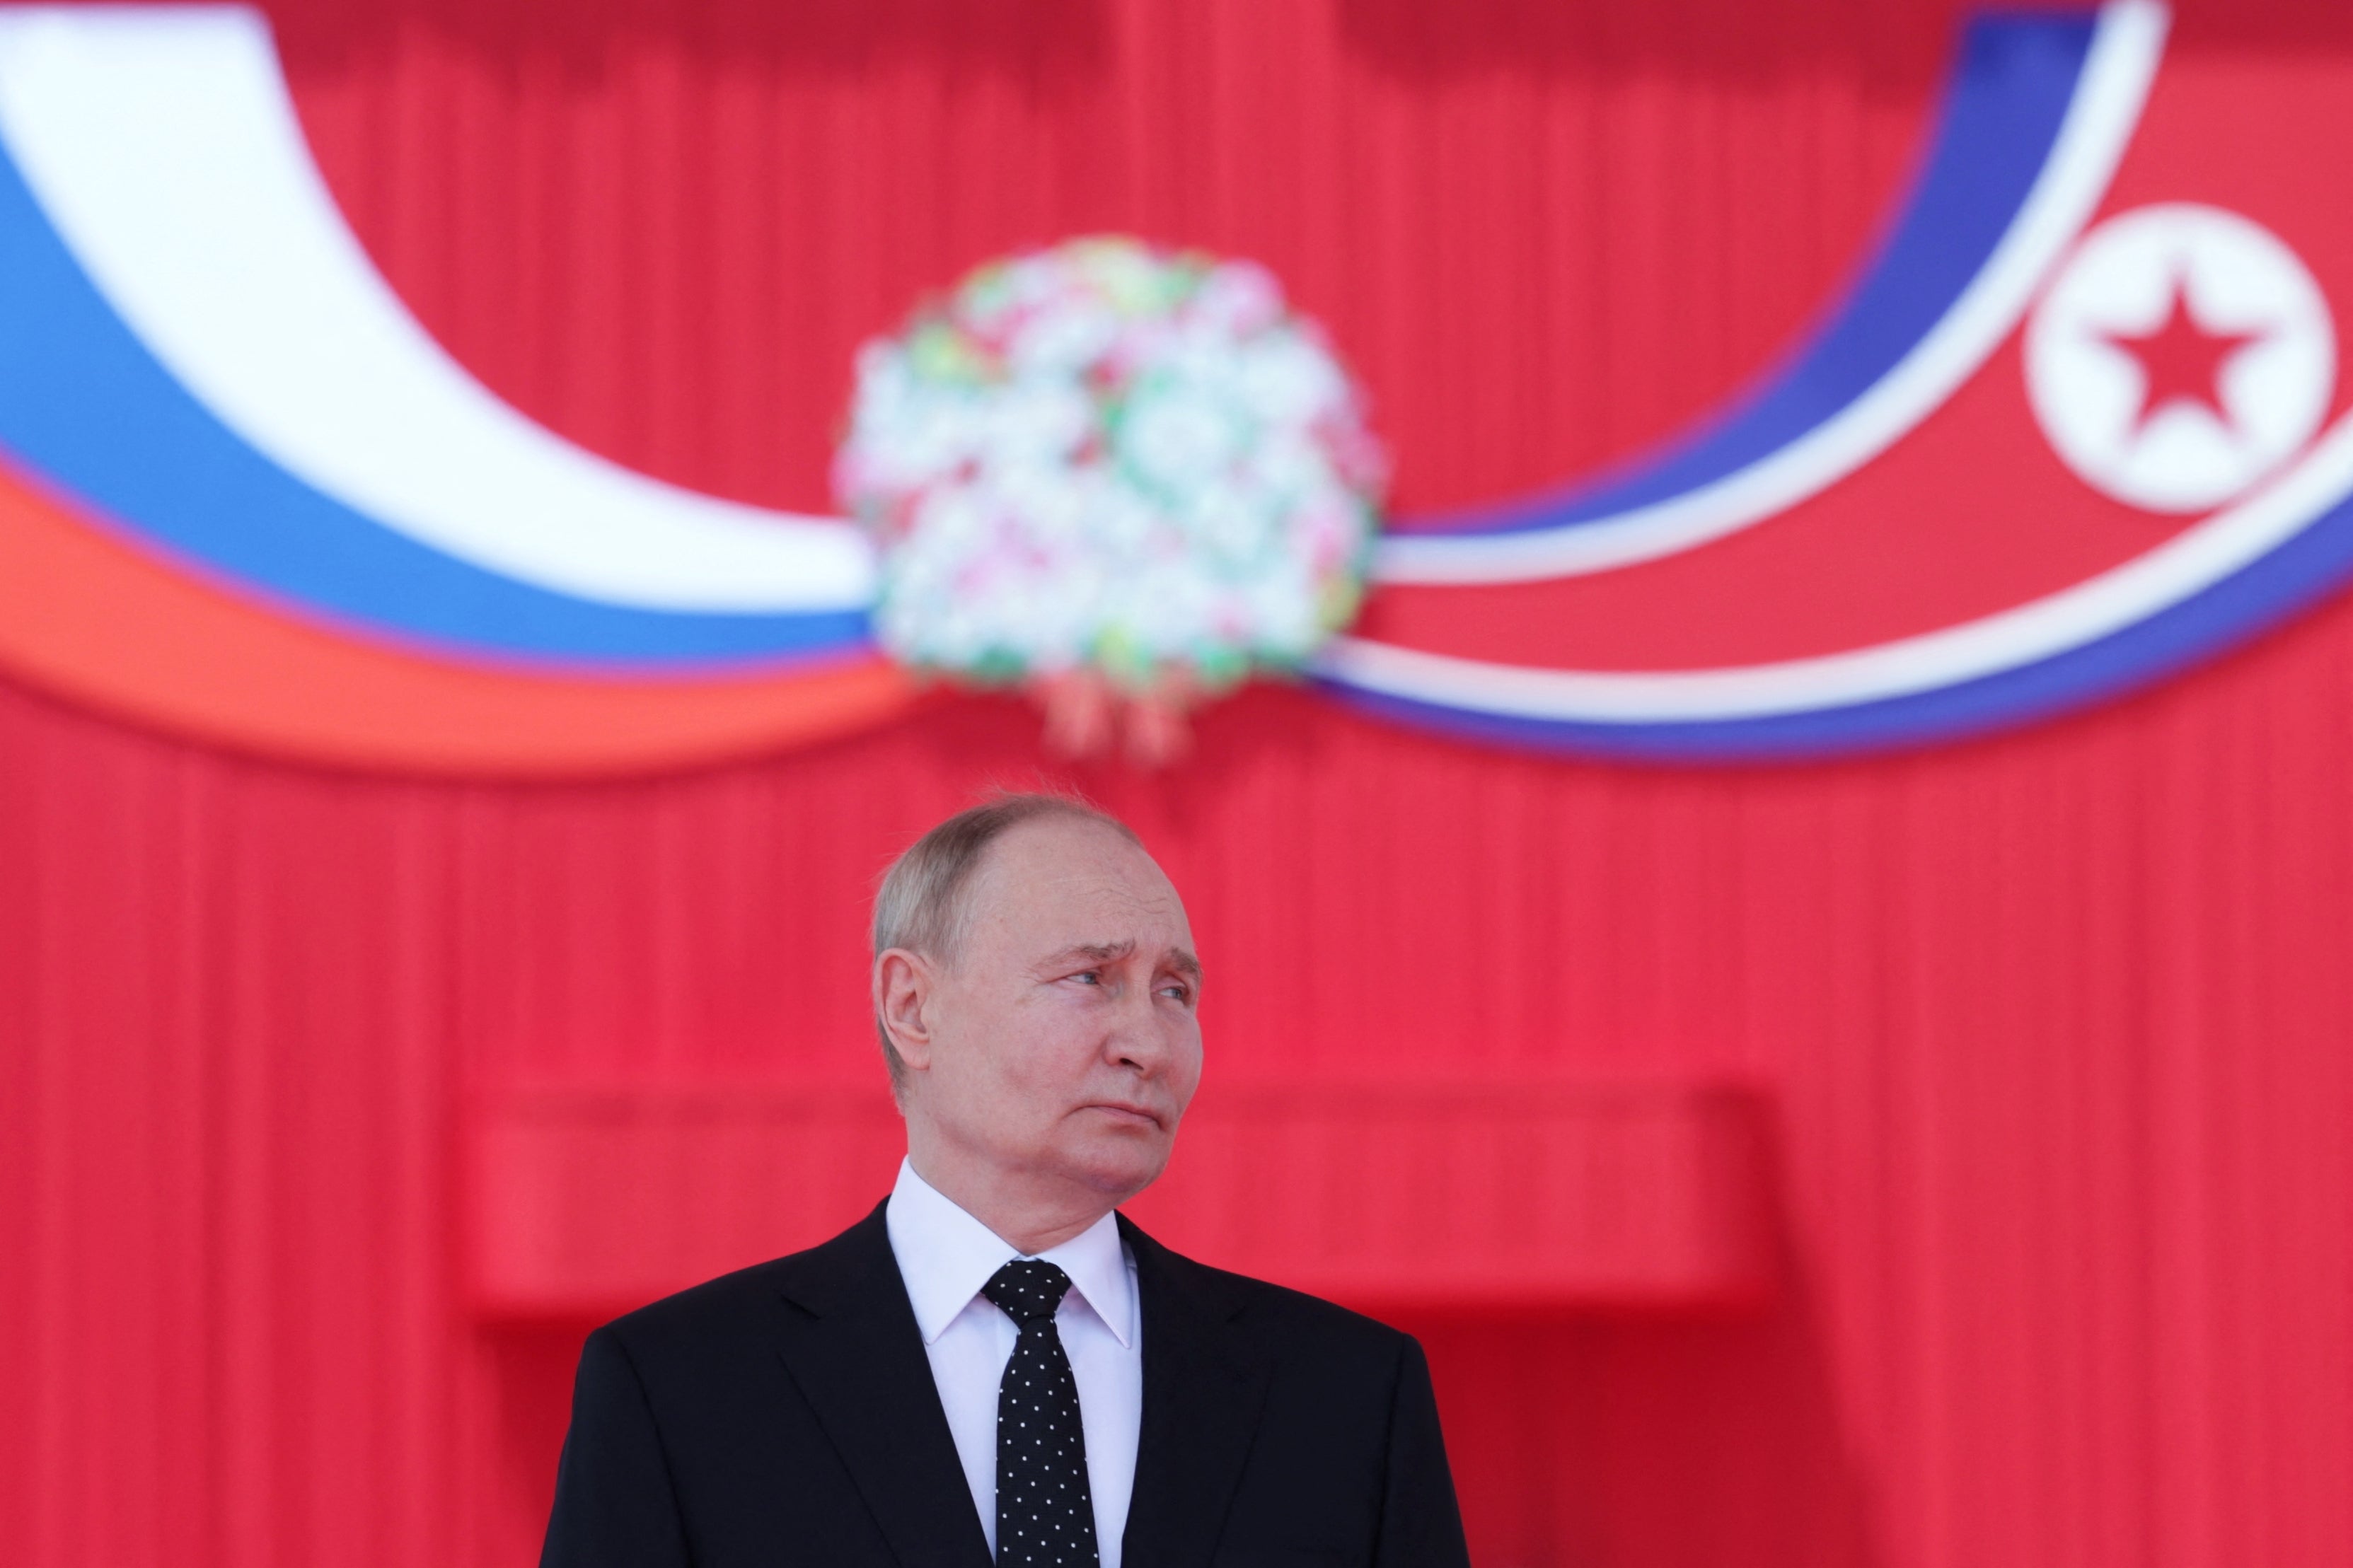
point(2101, 116)
point(163, 145)
point(2190, 562)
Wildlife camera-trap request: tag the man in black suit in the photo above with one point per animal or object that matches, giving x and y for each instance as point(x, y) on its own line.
point(994, 1363)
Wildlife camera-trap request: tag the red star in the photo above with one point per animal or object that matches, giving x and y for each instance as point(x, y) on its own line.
point(2180, 360)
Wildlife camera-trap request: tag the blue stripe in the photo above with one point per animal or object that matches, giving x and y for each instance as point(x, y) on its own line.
point(2290, 578)
point(83, 403)
point(2017, 75)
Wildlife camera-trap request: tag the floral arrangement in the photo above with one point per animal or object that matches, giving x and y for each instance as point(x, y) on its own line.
point(1123, 476)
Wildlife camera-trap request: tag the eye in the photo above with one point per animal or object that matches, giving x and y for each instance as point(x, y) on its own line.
point(1179, 990)
point(1088, 977)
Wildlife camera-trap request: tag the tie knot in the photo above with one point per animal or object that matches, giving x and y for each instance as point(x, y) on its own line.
point(1028, 1290)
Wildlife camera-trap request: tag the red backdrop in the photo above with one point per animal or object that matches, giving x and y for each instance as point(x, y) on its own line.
point(2052, 1028)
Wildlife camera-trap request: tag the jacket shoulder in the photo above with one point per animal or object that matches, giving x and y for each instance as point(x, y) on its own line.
point(1273, 1314)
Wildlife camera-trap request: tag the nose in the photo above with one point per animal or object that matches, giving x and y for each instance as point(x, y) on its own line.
point(1138, 1035)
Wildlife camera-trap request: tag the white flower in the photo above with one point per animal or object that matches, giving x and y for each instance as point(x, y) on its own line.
point(1110, 456)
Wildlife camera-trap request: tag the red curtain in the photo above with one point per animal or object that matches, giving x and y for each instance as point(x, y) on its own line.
point(2054, 1025)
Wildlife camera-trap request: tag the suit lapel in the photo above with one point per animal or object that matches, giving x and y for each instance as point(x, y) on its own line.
point(850, 1343)
point(1203, 1393)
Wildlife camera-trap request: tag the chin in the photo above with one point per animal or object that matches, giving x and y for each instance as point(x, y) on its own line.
point(1120, 1167)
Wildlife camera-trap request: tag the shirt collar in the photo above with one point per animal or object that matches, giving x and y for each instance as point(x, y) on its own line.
point(945, 1256)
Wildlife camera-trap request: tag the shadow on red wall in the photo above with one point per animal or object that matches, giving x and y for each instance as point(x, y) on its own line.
point(1659, 1442)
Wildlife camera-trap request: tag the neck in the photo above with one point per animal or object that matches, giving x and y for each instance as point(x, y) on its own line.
point(1028, 1213)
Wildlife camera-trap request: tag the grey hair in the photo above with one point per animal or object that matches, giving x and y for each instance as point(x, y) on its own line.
point(923, 903)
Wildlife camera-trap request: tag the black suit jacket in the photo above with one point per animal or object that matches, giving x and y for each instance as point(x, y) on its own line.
point(786, 1414)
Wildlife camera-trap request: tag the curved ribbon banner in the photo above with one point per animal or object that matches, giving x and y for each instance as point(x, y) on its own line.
point(244, 493)
point(1965, 576)
point(2039, 114)
point(252, 498)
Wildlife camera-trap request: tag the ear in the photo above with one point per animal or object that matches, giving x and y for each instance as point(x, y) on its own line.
point(903, 984)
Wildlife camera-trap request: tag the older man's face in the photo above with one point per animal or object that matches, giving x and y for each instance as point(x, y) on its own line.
point(1065, 1040)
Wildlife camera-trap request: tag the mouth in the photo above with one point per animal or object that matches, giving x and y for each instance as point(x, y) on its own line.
point(1132, 1115)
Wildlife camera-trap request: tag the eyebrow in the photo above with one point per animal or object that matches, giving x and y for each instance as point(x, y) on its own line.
point(1179, 958)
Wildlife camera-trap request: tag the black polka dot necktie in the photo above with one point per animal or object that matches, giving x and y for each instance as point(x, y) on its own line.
point(1045, 1514)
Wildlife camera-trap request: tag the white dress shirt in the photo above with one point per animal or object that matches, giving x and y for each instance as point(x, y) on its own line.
point(945, 1256)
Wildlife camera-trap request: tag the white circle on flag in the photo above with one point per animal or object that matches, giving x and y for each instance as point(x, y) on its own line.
point(2181, 354)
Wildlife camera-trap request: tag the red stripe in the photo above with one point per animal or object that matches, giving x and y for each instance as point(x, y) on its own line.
point(103, 623)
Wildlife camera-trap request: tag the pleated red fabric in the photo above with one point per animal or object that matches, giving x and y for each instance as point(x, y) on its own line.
point(2050, 1029)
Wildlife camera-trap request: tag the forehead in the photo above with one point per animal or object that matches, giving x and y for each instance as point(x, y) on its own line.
point(1060, 880)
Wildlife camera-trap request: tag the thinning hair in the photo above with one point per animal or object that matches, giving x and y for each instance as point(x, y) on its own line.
point(924, 903)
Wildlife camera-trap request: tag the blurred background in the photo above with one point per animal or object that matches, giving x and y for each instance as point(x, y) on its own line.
point(1833, 1153)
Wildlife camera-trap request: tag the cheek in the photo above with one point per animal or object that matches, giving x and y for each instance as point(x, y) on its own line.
point(1048, 1052)
point(1189, 1046)
point(1180, 1041)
